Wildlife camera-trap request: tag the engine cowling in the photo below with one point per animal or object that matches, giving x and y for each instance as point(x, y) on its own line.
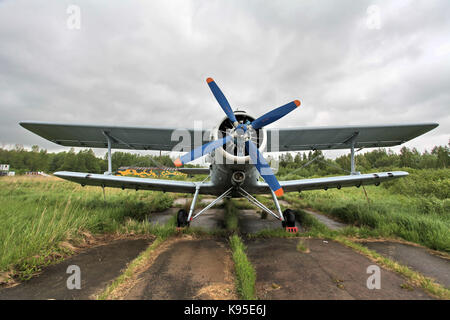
point(235, 152)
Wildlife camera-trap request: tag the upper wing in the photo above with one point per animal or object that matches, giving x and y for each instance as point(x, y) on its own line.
point(291, 139)
point(103, 180)
point(332, 182)
point(321, 138)
point(139, 138)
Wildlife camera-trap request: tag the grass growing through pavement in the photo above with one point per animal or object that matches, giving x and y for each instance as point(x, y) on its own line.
point(231, 218)
point(132, 267)
point(245, 273)
point(301, 246)
point(37, 214)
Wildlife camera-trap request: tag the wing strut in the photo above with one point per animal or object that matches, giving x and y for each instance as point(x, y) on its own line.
point(194, 201)
point(351, 141)
point(109, 139)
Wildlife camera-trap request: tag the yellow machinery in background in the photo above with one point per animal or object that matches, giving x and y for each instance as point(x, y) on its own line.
point(149, 172)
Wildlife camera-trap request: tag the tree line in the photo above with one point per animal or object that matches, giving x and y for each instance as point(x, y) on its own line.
point(22, 160)
point(314, 162)
point(301, 163)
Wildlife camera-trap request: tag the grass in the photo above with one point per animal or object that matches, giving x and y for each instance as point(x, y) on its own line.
point(245, 273)
point(231, 218)
point(38, 214)
point(302, 247)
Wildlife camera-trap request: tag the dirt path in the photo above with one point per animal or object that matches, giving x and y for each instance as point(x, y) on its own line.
point(188, 269)
point(98, 265)
point(328, 271)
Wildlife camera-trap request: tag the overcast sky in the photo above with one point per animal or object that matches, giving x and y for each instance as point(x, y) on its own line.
point(145, 63)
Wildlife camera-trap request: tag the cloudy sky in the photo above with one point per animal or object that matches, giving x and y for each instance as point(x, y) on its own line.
point(145, 63)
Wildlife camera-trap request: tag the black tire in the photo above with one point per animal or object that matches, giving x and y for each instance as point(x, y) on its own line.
point(289, 218)
point(182, 217)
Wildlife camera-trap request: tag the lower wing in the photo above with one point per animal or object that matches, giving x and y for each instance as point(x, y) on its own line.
point(356, 180)
point(209, 188)
point(103, 180)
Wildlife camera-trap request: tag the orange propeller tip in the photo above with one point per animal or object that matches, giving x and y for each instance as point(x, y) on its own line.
point(209, 80)
point(279, 192)
point(297, 103)
point(178, 163)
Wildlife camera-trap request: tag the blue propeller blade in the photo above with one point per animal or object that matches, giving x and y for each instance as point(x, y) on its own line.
point(220, 97)
point(263, 167)
point(201, 151)
point(275, 114)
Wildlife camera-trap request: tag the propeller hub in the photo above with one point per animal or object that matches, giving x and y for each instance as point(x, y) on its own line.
point(234, 151)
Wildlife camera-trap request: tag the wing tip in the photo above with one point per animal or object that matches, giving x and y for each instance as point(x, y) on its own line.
point(24, 124)
point(297, 103)
point(209, 80)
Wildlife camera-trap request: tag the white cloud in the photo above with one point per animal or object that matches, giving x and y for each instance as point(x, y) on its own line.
point(145, 63)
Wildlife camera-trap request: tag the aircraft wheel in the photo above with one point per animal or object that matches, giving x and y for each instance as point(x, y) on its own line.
point(289, 218)
point(182, 217)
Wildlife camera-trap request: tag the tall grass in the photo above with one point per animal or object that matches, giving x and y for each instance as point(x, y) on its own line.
point(37, 214)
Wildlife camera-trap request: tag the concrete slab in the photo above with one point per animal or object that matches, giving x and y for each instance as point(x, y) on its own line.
point(417, 258)
point(181, 201)
point(205, 201)
point(210, 220)
point(188, 269)
point(329, 271)
point(161, 218)
point(99, 266)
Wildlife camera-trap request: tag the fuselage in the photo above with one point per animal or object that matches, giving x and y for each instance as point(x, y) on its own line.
point(225, 176)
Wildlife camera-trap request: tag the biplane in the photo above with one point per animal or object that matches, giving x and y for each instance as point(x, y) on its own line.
point(235, 149)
